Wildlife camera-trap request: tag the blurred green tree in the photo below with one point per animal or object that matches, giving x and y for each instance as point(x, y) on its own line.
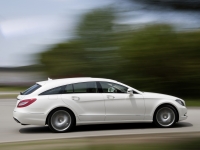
point(162, 60)
point(152, 58)
point(97, 34)
point(92, 53)
point(65, 59)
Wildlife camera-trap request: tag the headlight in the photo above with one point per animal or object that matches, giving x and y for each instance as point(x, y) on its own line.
point(180, 102)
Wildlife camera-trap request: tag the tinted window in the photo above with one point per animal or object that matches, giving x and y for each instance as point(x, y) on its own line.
point(85, 87)
point(53, 91)
point(80, 88)
point(31, 89)
point(108, 87)
point(69, 89)
point(91, 87)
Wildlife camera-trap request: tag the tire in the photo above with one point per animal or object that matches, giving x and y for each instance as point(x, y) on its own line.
point(61, 120)
point(165, 116)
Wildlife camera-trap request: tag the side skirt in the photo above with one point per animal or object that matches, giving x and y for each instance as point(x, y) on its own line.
point(110, 122)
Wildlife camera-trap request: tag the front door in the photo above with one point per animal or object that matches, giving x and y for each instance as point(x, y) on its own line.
point(120, 105)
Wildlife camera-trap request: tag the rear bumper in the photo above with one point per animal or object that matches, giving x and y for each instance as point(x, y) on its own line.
point(29, 118)
point(182, 113)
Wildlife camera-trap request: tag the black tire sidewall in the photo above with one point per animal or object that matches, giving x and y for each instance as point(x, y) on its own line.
point(69, 128)
point(155, 120)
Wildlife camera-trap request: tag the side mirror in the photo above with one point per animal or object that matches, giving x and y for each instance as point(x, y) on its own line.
point(130, 91)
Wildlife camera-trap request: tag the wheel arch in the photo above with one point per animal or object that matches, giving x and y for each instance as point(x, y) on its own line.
point(57, 108)
point(164, 104)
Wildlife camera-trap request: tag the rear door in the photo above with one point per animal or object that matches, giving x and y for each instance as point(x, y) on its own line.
point(85, 99)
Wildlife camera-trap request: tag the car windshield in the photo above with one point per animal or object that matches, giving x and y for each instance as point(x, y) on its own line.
point(31, 89)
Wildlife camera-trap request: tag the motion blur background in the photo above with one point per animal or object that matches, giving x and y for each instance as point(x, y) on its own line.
point(151, 45)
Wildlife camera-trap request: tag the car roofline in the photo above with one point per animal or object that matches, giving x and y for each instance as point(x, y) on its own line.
point(52, 83)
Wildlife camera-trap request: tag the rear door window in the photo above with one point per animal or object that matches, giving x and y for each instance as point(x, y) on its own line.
point(80, 88)
point(31, 89)
point(84, 87)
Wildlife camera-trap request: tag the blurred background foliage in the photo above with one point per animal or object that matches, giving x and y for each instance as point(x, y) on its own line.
point(177, 4)
point(153, 58)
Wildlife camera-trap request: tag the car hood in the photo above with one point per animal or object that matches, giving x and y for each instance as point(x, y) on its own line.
point(157, 95)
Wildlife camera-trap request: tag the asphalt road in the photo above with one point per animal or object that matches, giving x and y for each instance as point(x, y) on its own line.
point(10, 131)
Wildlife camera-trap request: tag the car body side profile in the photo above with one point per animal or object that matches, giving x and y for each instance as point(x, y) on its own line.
point(64, 103)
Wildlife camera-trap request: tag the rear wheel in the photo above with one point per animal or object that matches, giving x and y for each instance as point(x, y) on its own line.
point(165, 116)
point(61, 120)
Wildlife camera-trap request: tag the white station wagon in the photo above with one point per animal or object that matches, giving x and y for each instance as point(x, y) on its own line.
point(64, 103)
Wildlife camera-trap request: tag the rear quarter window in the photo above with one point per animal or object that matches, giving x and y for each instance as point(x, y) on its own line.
point(57, 90)
point(31, 89)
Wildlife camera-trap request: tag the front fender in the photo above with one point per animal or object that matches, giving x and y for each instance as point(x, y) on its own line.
point(152, 104)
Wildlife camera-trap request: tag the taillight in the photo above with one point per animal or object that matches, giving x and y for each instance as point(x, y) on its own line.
point(26, 102)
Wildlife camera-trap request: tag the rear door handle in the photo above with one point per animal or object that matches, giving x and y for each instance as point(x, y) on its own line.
point(110, 97)
point(75, 98)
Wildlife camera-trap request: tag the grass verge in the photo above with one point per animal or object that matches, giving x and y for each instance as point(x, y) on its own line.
point(8, 96)
point(130, 142)
point(193, 103)
point(3, 89)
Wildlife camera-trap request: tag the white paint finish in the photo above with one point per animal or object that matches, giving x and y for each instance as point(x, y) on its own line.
point(30, 118)
point(91, 108)
point(154, 100)
point(53, 97)
point(88, 107)
point(122, 106)
point(37, 112)
point(11, 131)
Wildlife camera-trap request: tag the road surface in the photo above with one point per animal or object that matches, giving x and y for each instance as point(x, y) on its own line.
point(10, 131)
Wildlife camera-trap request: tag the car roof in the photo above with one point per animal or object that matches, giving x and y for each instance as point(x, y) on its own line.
point(72, 80)
point(49, 84)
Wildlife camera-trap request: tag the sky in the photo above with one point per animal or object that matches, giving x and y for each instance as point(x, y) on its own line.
point(28, 27)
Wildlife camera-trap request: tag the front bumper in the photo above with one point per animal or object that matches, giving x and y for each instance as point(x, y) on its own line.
point(29, 118)
point(182, 113)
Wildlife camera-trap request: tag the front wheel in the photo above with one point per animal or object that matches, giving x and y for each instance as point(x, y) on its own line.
point(165, 116)
point(61, 121)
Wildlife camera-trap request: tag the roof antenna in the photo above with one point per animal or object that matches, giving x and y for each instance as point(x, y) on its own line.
point(49, 79)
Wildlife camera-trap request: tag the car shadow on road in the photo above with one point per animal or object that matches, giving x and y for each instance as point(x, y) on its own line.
point(124, 126)
point(102, 127)
point(183, 124)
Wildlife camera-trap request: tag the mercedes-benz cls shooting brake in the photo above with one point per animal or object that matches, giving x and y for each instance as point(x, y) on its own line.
point(64, 103)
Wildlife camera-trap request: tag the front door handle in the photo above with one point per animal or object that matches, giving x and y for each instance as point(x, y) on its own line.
point(110, 97)
point(75, 98)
